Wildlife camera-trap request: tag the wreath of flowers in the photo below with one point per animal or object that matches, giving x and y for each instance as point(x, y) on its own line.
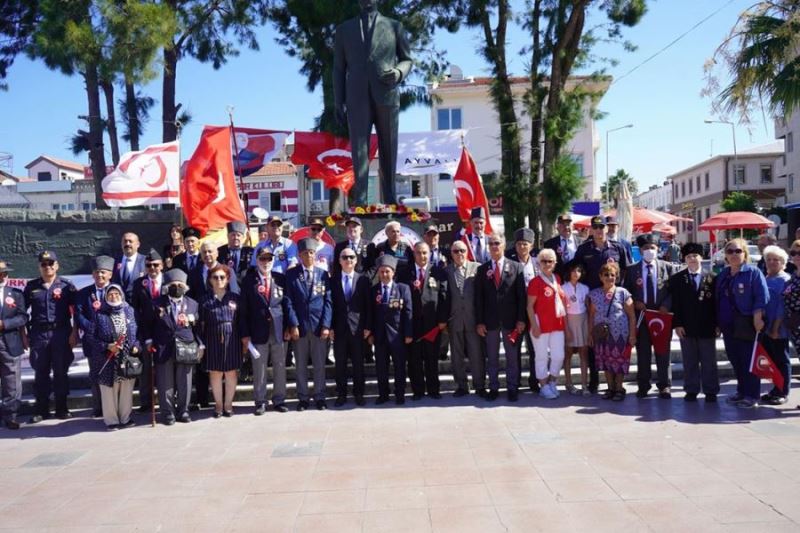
point(412, 215)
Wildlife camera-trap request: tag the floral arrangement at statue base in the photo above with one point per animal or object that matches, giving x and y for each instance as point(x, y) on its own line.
point(412, 215)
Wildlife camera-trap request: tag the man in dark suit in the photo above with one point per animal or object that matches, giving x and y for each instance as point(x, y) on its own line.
point(309, 290)
point(439, 257)
point(694, 318)
point(390, 329)
point(234, 254)
point(647, 282)
point(190, 259)
point(523, 254)
point(130, 266)
point(146, 291)
point(500, 302)
point(356, 242)
point(429, 311)
point(267, 316)
point(371, 57)
point(87, 302)
point(565, 245)
point(350, 295)
point(476, 239)
point(13, 318)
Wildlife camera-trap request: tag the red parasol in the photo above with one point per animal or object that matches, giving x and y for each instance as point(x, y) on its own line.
point(643, 219)
point(735, 220)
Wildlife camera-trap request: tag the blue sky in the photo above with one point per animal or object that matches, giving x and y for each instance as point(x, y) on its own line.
point(662, 98)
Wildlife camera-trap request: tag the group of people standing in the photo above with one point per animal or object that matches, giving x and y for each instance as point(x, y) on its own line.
point(192, 326)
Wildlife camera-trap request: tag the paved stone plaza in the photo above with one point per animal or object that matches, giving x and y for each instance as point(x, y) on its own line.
point(573, 464)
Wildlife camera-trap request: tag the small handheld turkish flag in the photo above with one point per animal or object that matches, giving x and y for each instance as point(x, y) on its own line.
point(762, 365)
point(659, 325)
point(431, 335)
point(513, 337)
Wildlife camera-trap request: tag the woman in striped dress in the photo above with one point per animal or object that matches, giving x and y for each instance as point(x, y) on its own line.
point(219, 323)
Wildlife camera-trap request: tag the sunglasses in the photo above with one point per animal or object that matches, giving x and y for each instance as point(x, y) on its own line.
point(219, 278)
point(265, 258)
point(794, 253)
point(347, 257)
point(546, 261)
point(731, 251)
point(495, 243)
point(597, 226)
point(609, 275)
point(152, 265)
point(315, 230)
point(458, 251)
point(47, 263)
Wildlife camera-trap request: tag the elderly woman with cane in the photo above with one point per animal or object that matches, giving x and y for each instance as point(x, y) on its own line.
point(116, 348)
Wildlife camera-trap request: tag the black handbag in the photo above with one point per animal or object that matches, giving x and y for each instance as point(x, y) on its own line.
point(187, 352)
point(130, 367)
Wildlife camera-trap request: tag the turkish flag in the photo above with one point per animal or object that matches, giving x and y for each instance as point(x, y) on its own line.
point(255, 148)
point(208, 190)
point(469, 189)
point(328, 157)
point(431, 335)
point(762, 365)
point(660, 327)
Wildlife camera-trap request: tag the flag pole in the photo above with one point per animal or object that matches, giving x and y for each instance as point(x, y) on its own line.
point(238, 170)
point(179, 130)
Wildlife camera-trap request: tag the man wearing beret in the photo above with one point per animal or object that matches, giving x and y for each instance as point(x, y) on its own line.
point(692, 293)
point(390, 329)
point(647, 282)
point(234, 254)
point(309, 289)
point(53, 335)
point(12, 321)
point(87, 302)
point(283, 249)
point(190, 259)
point(146, 291)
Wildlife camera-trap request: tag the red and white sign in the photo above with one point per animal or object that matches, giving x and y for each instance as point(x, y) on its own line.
point(147, 177)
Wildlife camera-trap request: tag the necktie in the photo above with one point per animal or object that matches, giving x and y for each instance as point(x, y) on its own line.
point(696, 281)
point(497, 274)
point(564, 251)
point(651, 291)
point(125, 273)
point(100, 295)
point(479, 250)
point(266, 288)
point(235, 257)
point(460, 274)
point(421, 277)
point(153, 289)
point(309, 278)
point(191, 262)
point(385, 294)
point(348, 288)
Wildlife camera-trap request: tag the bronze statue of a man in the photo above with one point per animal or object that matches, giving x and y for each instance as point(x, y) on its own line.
point(371, 57)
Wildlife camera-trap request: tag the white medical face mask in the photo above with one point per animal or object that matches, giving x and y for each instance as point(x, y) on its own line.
point(649, 255)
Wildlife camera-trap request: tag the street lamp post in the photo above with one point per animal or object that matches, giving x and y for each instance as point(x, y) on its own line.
point(608, 189)
point(735, 153)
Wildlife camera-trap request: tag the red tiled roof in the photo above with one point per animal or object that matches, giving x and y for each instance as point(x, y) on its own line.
point(276, 168)
point(61, 163)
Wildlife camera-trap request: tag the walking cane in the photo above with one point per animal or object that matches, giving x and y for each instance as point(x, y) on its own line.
point(152, 387)
point(111, 355)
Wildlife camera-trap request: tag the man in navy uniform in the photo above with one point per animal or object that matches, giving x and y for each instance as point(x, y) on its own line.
point(429, 306)
point(13, 318)
point(267, 316)
point(350, 295)
point(500, 301)
point(87, 302)
point(190, 259)
point(283, 249)
point(146, 291)
point(357, 243)
point(234, 254)
point(130, 266)
point(309, 290)
point(647, 281)
point(390, 329)
point(52, 336)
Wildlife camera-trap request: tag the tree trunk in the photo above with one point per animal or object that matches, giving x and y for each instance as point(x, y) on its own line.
point(132, 110)
point(111, 120)
point(536, 101)
point(169, 110)
point(96, 154)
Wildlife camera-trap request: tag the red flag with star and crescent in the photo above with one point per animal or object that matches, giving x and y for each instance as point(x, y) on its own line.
point(209, 195)
point(762, 365)
point(328, 157)
point(469, 189)
point(659, 325)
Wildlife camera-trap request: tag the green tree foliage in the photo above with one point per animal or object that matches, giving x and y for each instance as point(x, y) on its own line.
point(739, 201)
point(762, 60)
point(17, 20)
point(610, 188)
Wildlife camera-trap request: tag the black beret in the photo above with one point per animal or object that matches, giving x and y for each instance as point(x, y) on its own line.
point(190, 232)
point(691, 248)
point(646, 239)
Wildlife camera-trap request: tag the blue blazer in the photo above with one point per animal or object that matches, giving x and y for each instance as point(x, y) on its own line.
point(390, 322)
point(138, 271)
point(313, 307)
point(259, 312)
point(749, 288)
point(14, 315)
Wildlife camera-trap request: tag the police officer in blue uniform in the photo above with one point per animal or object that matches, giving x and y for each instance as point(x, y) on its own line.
point(13, 318)
point(283, 249)
point(52, 336)
point(88, 301)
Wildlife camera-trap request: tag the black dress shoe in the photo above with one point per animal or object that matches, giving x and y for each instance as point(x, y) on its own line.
point(381, 400)
point(459, 393)
point(481, 393)
point(260, 410)
point(302, 405)
point(435, 396)
point(399, 400)
point(360, 401)
point(321, 405)
point(185, 418)
point(416, 397)
point(641, 393)
point(64, 415)
point(204, 405)
point(664, 393)
point(492, 396)
point(129, 424)
point(340, 401)
point(112, 427)
point(535, 387)
point(97, 413)
point(194, 407)
point(142, 409)
point(281, 408)
point(690, 397)
point(227, 414)
point(217, 414)
point(12, 424)
point(513, 396)
point(169, 422)
point(711, 398)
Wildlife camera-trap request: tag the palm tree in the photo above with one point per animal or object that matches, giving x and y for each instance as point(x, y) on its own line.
point(766, 65)
point(613, 184)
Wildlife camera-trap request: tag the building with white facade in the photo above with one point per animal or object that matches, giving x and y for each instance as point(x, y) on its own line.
point(464, 102)
point(58, 185)
point(788, 164)
point(698, 190)
point(274, 187)
point(657, 198)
